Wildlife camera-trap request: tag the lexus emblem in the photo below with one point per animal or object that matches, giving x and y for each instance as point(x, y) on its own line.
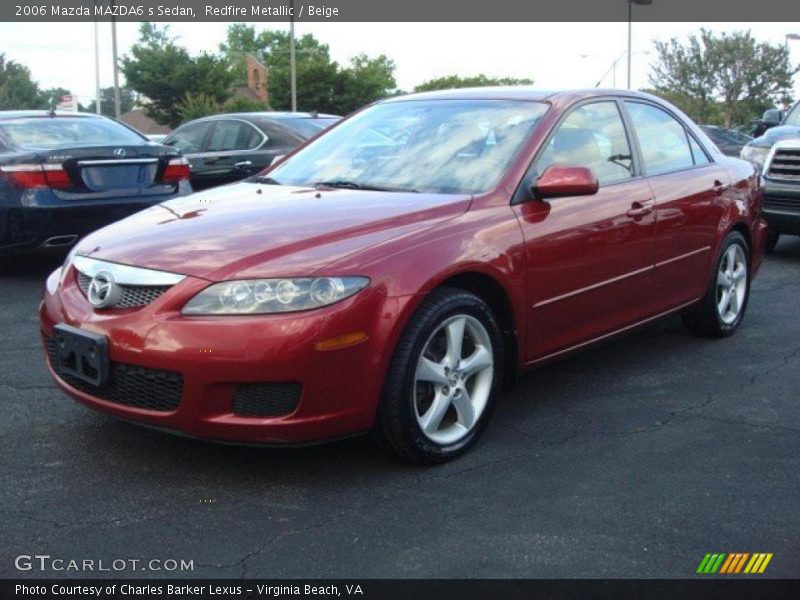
point(119, 152)
point(103, 290)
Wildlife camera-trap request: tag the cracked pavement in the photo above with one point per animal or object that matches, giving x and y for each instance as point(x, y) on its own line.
point(632, 459)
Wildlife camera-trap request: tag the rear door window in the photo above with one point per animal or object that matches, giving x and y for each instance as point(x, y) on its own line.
point(698, 154)
point(664, 141)
point(234, 135)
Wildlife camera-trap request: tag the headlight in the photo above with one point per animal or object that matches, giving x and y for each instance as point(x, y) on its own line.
point(755, 154)
point(264, 296)
point(67, 262)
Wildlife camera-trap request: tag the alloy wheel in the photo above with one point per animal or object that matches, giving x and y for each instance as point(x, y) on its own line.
point(453, 379)
point(731, 284)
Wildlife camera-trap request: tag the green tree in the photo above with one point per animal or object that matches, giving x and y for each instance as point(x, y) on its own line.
point(725, 79)
point(127, 100)
point(364, 81)
point(239, 104)
point(165, 73)
point(322, 84)
point(456, 81)
point(17, 90)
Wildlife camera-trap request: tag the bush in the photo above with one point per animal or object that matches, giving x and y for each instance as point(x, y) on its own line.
point(242, 104)
point(194, 106)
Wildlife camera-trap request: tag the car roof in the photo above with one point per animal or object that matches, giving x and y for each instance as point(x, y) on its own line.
point(269, 115)
point(518, 93)
point(22, 114)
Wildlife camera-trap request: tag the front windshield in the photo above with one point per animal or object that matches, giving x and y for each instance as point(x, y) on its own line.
point(793, 118)
point(438, 146)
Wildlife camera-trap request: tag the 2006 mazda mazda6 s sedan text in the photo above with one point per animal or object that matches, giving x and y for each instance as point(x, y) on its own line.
point(393, 273)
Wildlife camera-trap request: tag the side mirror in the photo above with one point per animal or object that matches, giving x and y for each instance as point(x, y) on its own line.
point(557, 181)
point(772, 117)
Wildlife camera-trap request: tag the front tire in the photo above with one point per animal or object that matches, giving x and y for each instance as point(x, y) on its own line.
point(722, 308)
point(445, 375)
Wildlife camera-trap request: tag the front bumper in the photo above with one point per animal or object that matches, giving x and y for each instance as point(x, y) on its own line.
point(782, 206)
point(216, 356)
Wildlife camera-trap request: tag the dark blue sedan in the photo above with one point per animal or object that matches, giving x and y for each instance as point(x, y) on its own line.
point(63, 175)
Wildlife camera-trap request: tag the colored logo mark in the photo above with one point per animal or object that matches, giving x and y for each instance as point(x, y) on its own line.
point(736, 562)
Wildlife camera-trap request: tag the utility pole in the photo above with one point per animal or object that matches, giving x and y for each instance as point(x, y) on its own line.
point(292, 57)
point(117, 111)
point(97, 100)
point(630, 27)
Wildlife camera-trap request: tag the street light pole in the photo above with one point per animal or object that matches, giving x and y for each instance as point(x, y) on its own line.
point(292, 57)
point(630, 28)
point(98, 108)
point(117, 111)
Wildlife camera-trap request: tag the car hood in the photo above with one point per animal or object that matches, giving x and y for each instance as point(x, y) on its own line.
point(782, 132)
point(257, 230)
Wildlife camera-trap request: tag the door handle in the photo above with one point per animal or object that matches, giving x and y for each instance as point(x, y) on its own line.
point(719, 187)
point(639, 210)
point(243, 164)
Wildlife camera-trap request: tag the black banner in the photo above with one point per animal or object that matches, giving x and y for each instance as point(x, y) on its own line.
point(407, 10)
point(404, 589)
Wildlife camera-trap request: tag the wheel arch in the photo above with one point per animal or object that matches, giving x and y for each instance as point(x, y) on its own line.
point(743, 228)
point(490, 290)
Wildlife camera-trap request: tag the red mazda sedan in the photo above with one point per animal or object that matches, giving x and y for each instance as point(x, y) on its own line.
point(393, 273)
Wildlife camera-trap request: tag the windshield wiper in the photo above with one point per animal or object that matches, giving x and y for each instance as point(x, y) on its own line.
point(352, 185)
point(268, 180)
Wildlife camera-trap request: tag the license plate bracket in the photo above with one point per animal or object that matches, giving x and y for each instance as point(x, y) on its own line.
point(82, 354)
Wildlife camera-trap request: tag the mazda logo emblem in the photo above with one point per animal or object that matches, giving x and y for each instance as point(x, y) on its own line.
point(119, 152)
point(103, 290)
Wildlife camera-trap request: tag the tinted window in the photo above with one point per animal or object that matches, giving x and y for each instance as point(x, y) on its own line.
point(54, 132)
point(189, 139)
point(793, 118)
point(233, 135)
point(663, 140)
point(306, 127)
point(591, 136)
point(699, 156)
point(440, 146)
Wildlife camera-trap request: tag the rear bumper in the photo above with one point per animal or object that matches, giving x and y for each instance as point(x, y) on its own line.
point(27, 225)
point(782, 206)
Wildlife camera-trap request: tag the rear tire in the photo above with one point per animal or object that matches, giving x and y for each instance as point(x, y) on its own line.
point(443, 380)
point(722, 308)
point(772, 241)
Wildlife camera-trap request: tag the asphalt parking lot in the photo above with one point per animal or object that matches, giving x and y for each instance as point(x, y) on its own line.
point(632, 459)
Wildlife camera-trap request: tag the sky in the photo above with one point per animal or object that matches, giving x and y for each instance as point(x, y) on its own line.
point(554, 55)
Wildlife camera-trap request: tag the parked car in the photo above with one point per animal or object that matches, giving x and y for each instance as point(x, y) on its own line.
point(772, 118)
point(63, 175)
point(776, 153)
point(397, 287)
point(730, 141)
point(230, 147)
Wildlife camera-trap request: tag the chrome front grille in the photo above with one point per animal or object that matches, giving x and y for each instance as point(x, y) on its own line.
point(785, 164)
point(132, 295)
point(133, 286)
